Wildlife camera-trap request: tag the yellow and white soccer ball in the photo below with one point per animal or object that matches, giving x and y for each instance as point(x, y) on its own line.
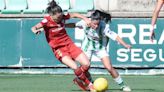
point(100, 84)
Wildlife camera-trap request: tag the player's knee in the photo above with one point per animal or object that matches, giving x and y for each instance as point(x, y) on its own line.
point(84, 68)
point(75, 67)
point(86, 64)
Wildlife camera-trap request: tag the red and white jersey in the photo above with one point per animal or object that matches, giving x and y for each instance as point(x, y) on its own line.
point(55, 32)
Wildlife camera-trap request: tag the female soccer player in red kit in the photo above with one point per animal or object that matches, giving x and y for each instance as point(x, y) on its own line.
point(62, 46)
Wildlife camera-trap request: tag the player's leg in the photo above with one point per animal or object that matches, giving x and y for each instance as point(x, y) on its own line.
point(85, 64)
point(89, 54)
point(77, 54)
point(87, 74)
point(107, 64)
point(104, 56)
point(62, 54)
point(67, 60)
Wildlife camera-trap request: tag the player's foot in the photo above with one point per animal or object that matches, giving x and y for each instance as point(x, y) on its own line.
point(126, 89)
point(80, 83)
point(91, 88)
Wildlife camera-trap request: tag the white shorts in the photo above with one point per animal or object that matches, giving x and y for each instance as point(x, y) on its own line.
point(100, 54)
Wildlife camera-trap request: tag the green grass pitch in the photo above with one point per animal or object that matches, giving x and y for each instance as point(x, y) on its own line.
point(63, 83)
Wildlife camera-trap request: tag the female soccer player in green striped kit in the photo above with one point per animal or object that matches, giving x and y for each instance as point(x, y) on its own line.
point(96, 39)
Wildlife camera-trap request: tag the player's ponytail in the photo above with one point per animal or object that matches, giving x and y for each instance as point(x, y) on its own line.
point(52, 4)
point(53, 8)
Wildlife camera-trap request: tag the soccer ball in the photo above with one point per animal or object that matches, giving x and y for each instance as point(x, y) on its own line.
point(100, 84)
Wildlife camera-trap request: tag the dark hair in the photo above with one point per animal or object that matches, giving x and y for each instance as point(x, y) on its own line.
point(104, 16)
point(95, 16)
point(53, 8)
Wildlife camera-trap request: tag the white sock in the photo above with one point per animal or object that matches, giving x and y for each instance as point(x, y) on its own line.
point(118, 80)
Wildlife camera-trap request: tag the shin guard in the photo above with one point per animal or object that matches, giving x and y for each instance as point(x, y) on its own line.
point(80, 73)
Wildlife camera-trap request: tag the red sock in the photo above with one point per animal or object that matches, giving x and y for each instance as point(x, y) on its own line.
point(88, 75)
point(80, 73)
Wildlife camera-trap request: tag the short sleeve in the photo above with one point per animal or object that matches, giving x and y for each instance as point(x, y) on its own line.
point(112, 35)
point(44, 21)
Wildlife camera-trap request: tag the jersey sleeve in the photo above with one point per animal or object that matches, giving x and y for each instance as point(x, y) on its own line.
point(44, 21)
point(112, 35)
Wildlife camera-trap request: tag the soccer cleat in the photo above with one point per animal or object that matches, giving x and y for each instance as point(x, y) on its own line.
point(91, 88)
point(80, 83)
point(126, 89)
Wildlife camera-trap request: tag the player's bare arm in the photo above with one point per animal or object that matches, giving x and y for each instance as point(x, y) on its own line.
point(156, 11)
point(123, 43)
point(77, 15)
point(154, 18)
point(36, 29)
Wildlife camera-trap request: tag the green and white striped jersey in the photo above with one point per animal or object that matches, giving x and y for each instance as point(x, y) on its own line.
point(96, 39)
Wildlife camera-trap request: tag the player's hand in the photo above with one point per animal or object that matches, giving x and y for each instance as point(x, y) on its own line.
point(152, 35)
point(88, 22)
point(36, 32)
point(93, 26)
point(128, 46)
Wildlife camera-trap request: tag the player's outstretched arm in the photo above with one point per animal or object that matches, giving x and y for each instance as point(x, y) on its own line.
point(123, 43)
point(154, 17)
point(156, 11)
point(36, 29)
point(77, 15)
